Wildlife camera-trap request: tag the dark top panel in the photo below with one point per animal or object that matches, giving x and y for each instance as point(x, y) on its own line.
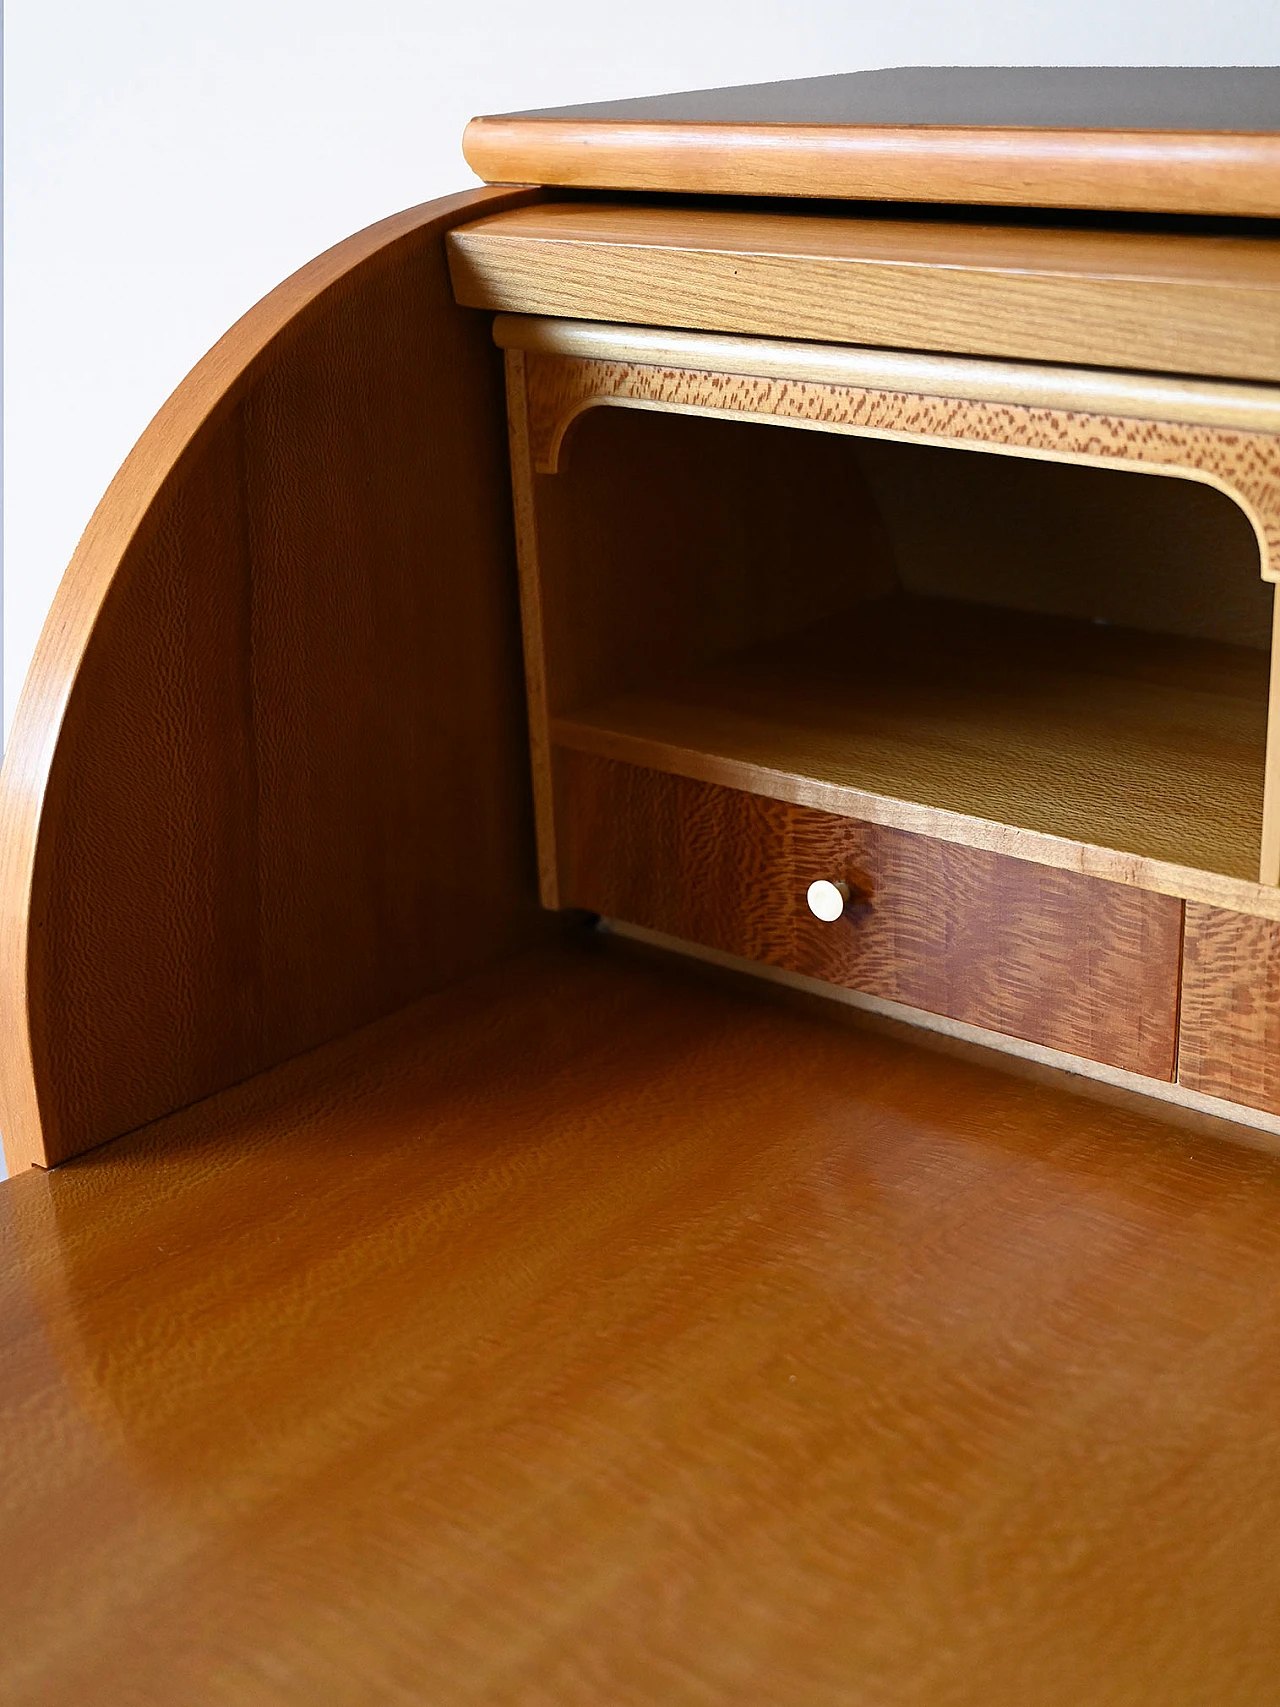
point(1161, 98)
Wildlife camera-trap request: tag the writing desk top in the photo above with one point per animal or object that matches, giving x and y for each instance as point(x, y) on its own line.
point(598, 1332)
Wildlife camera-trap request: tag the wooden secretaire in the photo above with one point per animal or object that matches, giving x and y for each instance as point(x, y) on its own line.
point(640, 884)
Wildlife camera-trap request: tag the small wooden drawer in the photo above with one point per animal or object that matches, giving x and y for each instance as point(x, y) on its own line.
point(1230, 1025)
point(1072, 962)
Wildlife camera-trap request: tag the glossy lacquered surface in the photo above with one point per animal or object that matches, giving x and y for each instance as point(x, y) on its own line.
point(1051, 957)
point(594, 1333)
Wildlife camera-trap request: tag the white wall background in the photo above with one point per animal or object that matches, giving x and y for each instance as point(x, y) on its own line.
point(168, 161)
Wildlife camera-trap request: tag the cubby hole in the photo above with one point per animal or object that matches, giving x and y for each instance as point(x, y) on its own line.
point(1075, 651)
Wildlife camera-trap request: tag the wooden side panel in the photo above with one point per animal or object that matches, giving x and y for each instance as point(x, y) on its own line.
point(269, 777)
point(1229, 1044)
point(1054, 957)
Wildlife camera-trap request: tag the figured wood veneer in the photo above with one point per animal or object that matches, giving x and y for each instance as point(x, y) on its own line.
point(271, 747)
point(1230, 1024)
point(602, 1332)
point(1135, 757)
point(1243, 463)
point(1196, 304)
point(663, 544)
point(1111, 729)
point(1068, 961)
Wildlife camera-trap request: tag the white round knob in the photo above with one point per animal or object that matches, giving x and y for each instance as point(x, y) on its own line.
point(826, 900)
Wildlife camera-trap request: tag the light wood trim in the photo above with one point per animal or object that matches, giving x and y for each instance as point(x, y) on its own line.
point(1245, 464)
point(1159, 876)
point(141, 796)
point(1211, 172)
point(1129, 300)
point(1143, 397)
point(535, 665)
point(559, 387)
point(1098, 1072)
point(1269, 865)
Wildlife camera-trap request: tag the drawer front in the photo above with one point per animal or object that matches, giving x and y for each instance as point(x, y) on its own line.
point(1230, 1029)
point(1068, 961)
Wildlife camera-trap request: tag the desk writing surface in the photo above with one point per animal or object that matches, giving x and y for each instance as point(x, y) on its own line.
point(1036, 97)
point(601, 1332)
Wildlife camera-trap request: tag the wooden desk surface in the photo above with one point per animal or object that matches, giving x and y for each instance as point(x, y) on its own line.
point(602, 1332)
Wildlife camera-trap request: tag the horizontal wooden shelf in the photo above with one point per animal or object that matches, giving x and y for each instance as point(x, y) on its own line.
point(1137, 757)
point(1170, 303)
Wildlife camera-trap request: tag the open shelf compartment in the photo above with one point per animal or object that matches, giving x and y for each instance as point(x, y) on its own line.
point(1066, 662)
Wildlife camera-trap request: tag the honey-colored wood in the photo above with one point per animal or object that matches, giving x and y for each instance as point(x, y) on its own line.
point(1135, 757)
point(1265, 1127)
point(1198, 139)
point(532, 628)
point(1271, 808)
point(1230, 1024)
point(1243, 464)
point(1068, 961)
point(267, 777)
point(1192, 304)
point(678, 564)
point(1138, 171)
point(664, 543)
point(599, 1334)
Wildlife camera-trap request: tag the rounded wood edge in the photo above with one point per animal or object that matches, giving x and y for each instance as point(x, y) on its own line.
point(1203, 402)
point(1059, 853)
point(211, 386)
point(1180, 172)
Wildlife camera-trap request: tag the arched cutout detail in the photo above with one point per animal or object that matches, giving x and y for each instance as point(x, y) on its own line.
point(1244, 465)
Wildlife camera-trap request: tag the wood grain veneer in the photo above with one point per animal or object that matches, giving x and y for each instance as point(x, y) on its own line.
point(1244, 463)
point(1054, 957)
point(1137, 171)
point(1230, 1025)
point(271, 747)
point(1154, 139)
point(1182, 304)
point(599, 1333)
point(673, 566)
point(1137, 757)
point(663, 543)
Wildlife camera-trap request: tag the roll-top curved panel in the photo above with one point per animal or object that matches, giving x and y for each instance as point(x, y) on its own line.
point(267, 778)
